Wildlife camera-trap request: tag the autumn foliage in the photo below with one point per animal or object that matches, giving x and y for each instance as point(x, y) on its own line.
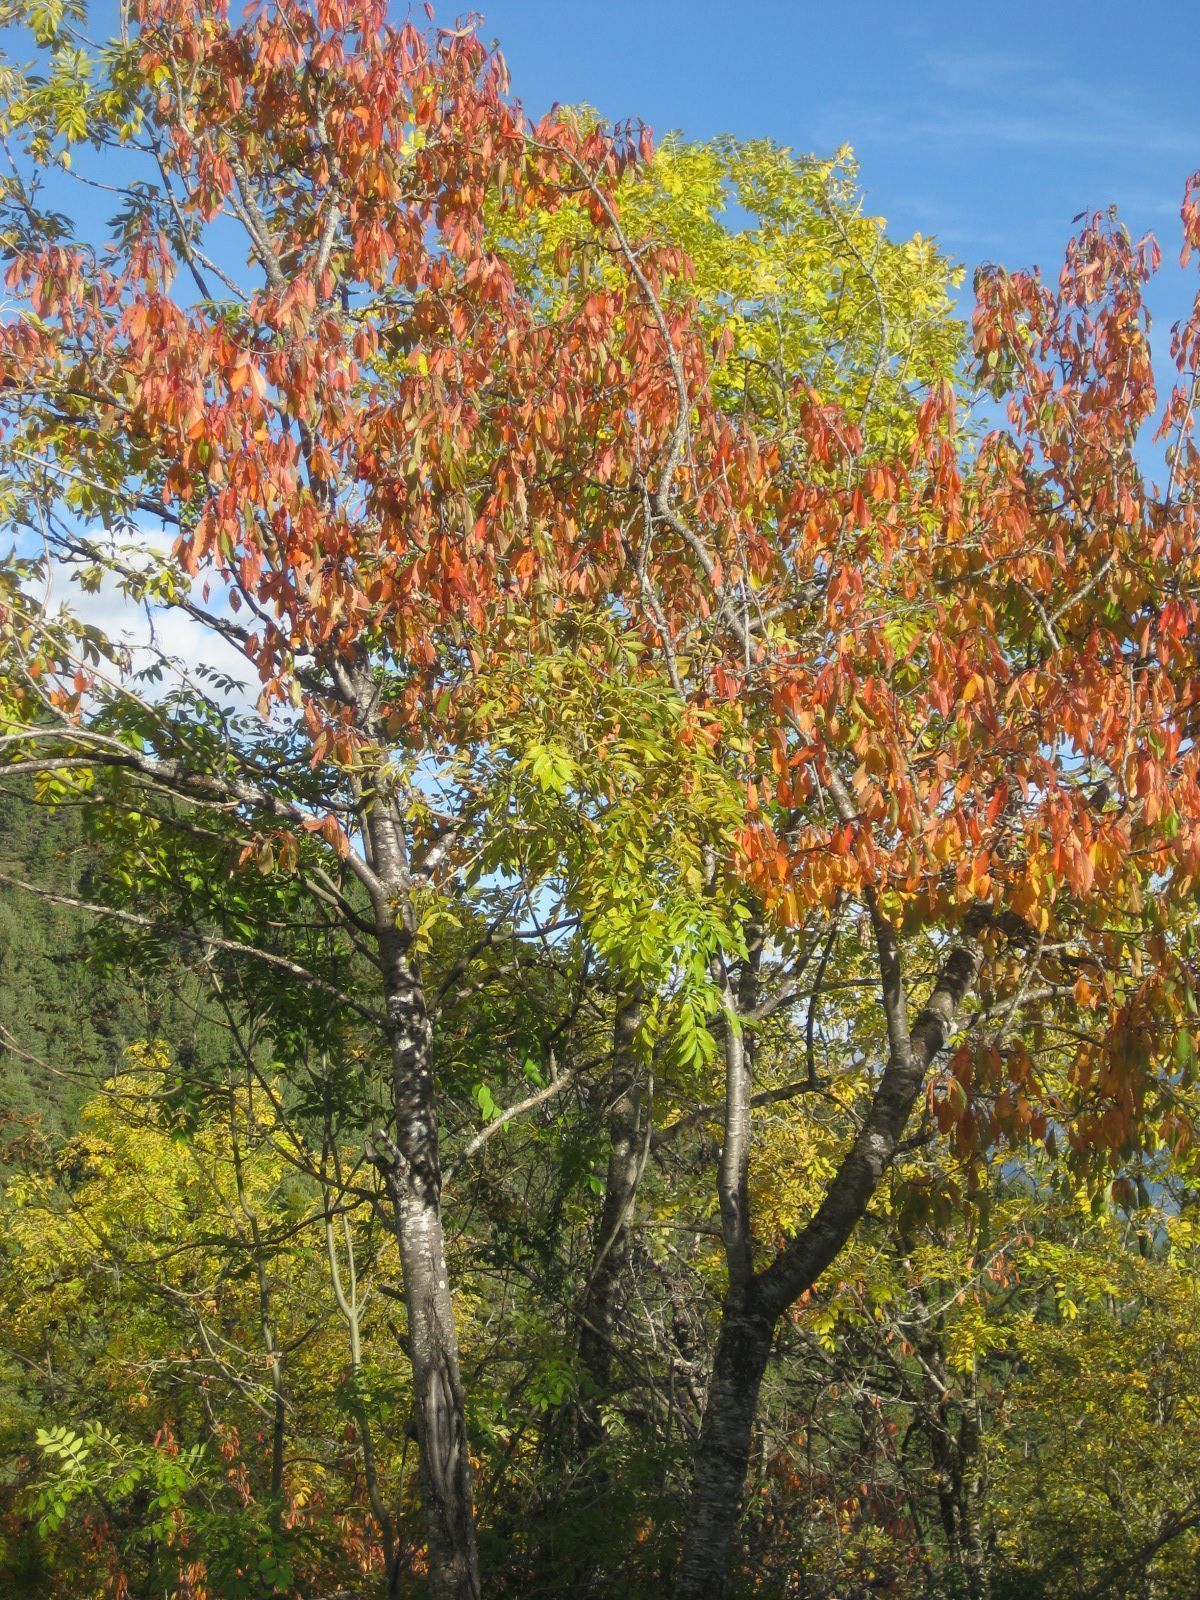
point(728, 672)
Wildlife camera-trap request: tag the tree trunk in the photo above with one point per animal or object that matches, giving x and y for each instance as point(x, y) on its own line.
point(757, 1299)
point(438, 1396)
point(722, 1452)
point(412, 1166)
point(970, 1472)
point(723, 1448)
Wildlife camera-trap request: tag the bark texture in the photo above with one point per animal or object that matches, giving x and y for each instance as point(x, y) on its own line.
point(412, 1165)
point(722, 1454)
point(951, 1425)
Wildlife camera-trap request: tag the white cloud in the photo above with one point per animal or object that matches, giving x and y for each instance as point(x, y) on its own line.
point(156, 634)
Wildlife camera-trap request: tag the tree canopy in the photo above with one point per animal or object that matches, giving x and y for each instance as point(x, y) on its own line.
point(661, 882)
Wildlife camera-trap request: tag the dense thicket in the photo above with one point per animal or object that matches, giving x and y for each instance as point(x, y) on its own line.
point(993, 1394)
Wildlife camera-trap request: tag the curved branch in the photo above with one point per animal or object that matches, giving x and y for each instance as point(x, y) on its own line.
point(799, 1264)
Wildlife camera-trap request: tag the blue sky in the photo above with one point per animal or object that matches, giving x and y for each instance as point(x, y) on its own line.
point(988, 126)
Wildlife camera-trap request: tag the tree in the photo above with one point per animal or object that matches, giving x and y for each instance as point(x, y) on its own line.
point(1026, 795)
point(796, 288)
point(378, 450)
point(918, 732)
point(554, 605)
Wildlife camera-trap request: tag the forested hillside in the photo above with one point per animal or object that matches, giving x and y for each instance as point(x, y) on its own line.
point(599, 848)
point(66, 1022)
point(70, 1009)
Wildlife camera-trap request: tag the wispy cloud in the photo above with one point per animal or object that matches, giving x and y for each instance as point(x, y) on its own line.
point(971, 127)
point(982, 71)
point(973, 99)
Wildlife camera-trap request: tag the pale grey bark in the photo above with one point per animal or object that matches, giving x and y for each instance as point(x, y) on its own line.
point(411, 1164)
point(723, 1451)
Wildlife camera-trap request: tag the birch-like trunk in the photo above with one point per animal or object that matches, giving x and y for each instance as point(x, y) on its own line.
point(412, 1165)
